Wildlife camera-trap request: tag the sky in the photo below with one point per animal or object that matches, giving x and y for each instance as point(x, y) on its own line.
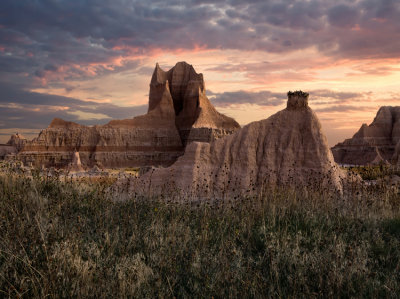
point(91, 61)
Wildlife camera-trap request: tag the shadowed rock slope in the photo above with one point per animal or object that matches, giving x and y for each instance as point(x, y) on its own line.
point(374, 143)
point(287, 148)
point(196, 118)
point(178, 113)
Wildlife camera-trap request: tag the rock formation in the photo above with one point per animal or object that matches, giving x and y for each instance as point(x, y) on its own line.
point(11, 148)
point(18, 141)
point(179, 112)
point(76, 165)
point(374, 143)
point(196, 117)
point(6, 149)
point(149, 139)
point(287, 148)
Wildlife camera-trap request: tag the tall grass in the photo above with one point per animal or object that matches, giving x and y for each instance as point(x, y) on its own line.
point(63, 238)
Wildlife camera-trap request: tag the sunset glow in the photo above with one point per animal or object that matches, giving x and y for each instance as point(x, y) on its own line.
point(92, 61)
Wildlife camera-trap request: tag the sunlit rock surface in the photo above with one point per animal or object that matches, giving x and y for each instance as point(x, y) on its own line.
point(374, 143)
point(287, 148)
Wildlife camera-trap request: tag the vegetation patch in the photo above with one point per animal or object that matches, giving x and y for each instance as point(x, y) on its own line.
point(69, 238)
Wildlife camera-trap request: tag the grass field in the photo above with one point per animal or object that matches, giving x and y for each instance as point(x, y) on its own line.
point(67, 238)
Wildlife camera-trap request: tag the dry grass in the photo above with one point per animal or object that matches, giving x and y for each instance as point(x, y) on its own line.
point(375, 172)
point(61, 238)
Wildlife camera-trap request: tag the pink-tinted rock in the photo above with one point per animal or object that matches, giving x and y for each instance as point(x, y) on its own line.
point(286, 149)
point(196, 117)
point(179, 112)
point(76, 165)
point(374, 143)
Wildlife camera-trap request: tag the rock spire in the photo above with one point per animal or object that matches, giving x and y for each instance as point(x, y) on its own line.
point(178, 113)
point(286, 149)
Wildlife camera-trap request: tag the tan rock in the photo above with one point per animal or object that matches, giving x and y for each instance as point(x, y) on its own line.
point(287, 148)
point(76, 165)
point(17, 140)
point(178, 112)
point(196, 117)
point(374, 143)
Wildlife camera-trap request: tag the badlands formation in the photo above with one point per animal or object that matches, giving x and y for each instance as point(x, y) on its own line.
point(12, 147)
point(179, 112)
point(373, 144)
point(287, 148)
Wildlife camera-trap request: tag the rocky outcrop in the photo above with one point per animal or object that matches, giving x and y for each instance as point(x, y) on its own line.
point(11, 148)
point(76, 165)
point(196, 117)
point(179, 112)
point(130, 143)
point(18, 141)
point(287, 149)
point(374, 143)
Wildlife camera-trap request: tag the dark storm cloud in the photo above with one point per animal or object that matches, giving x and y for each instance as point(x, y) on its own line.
point(25, 109)
point(56, 40)
point(40, 36)
point(343, 16)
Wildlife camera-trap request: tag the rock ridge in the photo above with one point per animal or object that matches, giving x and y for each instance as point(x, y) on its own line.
point(286, 149)
point(179, 112)
point(373, 144)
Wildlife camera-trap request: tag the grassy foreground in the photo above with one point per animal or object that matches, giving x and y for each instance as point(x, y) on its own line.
point(66, 239)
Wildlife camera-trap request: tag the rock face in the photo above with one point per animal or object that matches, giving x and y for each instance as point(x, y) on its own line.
point(178, 113)
point(11, 148)
point(287, 148)
point(18, 141)
point(196, 118)
point(372, 144)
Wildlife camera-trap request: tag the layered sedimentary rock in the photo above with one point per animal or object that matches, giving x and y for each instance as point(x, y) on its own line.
point(145, 140)
point(287, 148)
point(178, 113)
point(196, 117)
point(374, 143)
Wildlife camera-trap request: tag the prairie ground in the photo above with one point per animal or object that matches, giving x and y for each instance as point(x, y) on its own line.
point(70, 238)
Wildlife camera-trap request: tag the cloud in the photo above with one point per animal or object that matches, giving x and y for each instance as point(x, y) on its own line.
point(52, 43)
point(345, 108)
point(323, 97)
point(24, 109)
point(262, 98)
point(343, 16)
point(268, 98)
point(63, 39)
